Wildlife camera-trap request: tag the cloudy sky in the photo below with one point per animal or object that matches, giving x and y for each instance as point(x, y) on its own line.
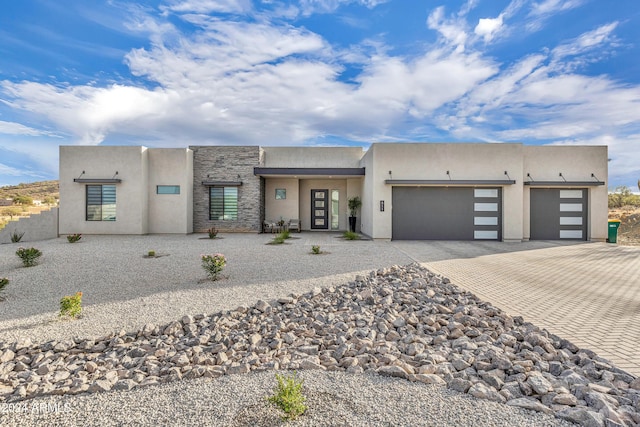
point(316, 72)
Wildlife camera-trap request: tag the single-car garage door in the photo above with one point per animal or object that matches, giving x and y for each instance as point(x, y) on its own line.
point(558, 214)
point(446, 213)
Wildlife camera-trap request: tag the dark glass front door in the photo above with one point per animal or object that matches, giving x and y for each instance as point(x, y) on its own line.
point(319, 209)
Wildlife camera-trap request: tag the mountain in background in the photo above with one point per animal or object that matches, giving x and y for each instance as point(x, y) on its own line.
point(35, 190)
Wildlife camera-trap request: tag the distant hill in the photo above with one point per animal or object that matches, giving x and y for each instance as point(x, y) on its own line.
point(36, 190)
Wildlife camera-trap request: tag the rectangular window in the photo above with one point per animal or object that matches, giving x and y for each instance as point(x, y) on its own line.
point(223, 203)
point(281, 193)
point(167, 189)
point(101, 202)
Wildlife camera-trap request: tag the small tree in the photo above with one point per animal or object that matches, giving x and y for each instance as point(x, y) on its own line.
point(23, 200)
point(354, 204)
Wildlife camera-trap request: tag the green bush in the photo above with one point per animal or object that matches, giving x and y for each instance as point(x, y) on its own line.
point(288, 396)
point(29, 256)
point(286, 234)
point(315, 249)
point(213, 232)
point(72, 238)
point(16, 236)
point(71, 305)
point(350, 235)
point(3, 283)
point(151, 253)
point(622, 196)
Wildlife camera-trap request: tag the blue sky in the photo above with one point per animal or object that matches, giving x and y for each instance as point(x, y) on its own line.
point(316, 72)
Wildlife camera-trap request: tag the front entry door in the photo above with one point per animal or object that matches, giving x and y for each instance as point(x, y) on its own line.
point(320, 209)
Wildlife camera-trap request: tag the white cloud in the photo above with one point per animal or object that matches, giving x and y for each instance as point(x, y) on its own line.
point(587, 41)
point(12, 128)
point(453, 30)
point(541, 11)
point(309, 7)
point(210, 6)
point(488, 27)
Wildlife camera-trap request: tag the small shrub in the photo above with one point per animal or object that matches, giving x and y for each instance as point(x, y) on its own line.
point(71, 305)
point(213, 264)
point(16, 236)
point(213, 232)
point(315, 249)
point(278, 240)
point(151, 253)
point(72, 238)
point(286, 234)
point(288, 396)
point(29, 256)
point(350, 235)
point(3, 283)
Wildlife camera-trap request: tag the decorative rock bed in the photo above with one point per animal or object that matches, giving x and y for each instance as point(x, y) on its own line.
point(403, 321)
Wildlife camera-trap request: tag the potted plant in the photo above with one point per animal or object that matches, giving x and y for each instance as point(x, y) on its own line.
point(354, 204)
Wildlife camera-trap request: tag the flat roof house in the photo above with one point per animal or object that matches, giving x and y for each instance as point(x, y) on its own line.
point(409, 191)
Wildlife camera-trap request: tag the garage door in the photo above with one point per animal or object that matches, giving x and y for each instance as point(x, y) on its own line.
point(558, 214)
point(451, 213)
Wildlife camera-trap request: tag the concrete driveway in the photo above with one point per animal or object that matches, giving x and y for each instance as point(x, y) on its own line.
point(588, 293)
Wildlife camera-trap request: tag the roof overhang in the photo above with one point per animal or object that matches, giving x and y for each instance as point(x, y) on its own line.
point(564, 183)
point(222, 183)
point(98, 180)
point(308, 172)
point(445, 182)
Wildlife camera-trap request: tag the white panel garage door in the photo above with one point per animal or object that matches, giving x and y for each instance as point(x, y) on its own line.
point(558, 214)
point(446, 213)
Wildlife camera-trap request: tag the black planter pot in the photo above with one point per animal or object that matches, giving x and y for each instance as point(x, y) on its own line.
point(352, 223)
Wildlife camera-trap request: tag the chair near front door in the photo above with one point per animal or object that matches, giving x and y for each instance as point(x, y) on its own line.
point(319, 209)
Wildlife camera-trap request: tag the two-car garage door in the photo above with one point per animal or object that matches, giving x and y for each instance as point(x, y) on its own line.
point(446, 213)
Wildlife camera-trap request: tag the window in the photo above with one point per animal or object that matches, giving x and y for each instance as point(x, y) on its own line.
point(281, 193)
point(167, 189)
point(101, 202)
point(223, 203)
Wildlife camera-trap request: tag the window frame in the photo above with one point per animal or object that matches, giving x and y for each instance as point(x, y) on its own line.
point(226, 203)
point(175, 187)
point(108, 192)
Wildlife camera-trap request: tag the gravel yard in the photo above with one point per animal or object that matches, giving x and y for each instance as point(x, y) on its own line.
point(124, 290)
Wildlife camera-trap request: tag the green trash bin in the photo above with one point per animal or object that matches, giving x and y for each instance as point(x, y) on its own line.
point(613, 230)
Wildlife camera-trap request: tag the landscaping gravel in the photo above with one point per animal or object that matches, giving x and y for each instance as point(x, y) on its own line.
point(124, 290)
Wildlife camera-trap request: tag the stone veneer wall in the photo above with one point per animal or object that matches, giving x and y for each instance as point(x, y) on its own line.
point(224, 163)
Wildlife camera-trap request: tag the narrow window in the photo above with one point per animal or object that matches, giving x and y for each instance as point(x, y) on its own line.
point(167, 189)
point(335, 209)
point(101, 203)
point(223, 203)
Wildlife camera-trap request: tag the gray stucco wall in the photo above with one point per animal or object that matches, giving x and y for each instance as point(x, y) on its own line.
point(41, 226)
point(225, 163)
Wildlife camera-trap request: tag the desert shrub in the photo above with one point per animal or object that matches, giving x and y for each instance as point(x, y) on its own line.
point(29, 256)
point(315, 249)
point(213, 232)
point(3, 284)
point(151, 253)
point(622, 196)
point(72, 238)
point(288, 396)
point(350, 235)
point(213, 264)
point(71, 305)
point(16, 236)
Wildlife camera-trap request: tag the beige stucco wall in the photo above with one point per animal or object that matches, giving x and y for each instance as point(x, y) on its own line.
point(312, 157)
point(576, 163)
point(170, 213)
point(287, 208)
point(431, 161)
point(366, 211)
point(103, 162)
point(306, 185)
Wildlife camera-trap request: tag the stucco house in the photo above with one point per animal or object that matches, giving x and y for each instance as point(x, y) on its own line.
point(410, 191)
